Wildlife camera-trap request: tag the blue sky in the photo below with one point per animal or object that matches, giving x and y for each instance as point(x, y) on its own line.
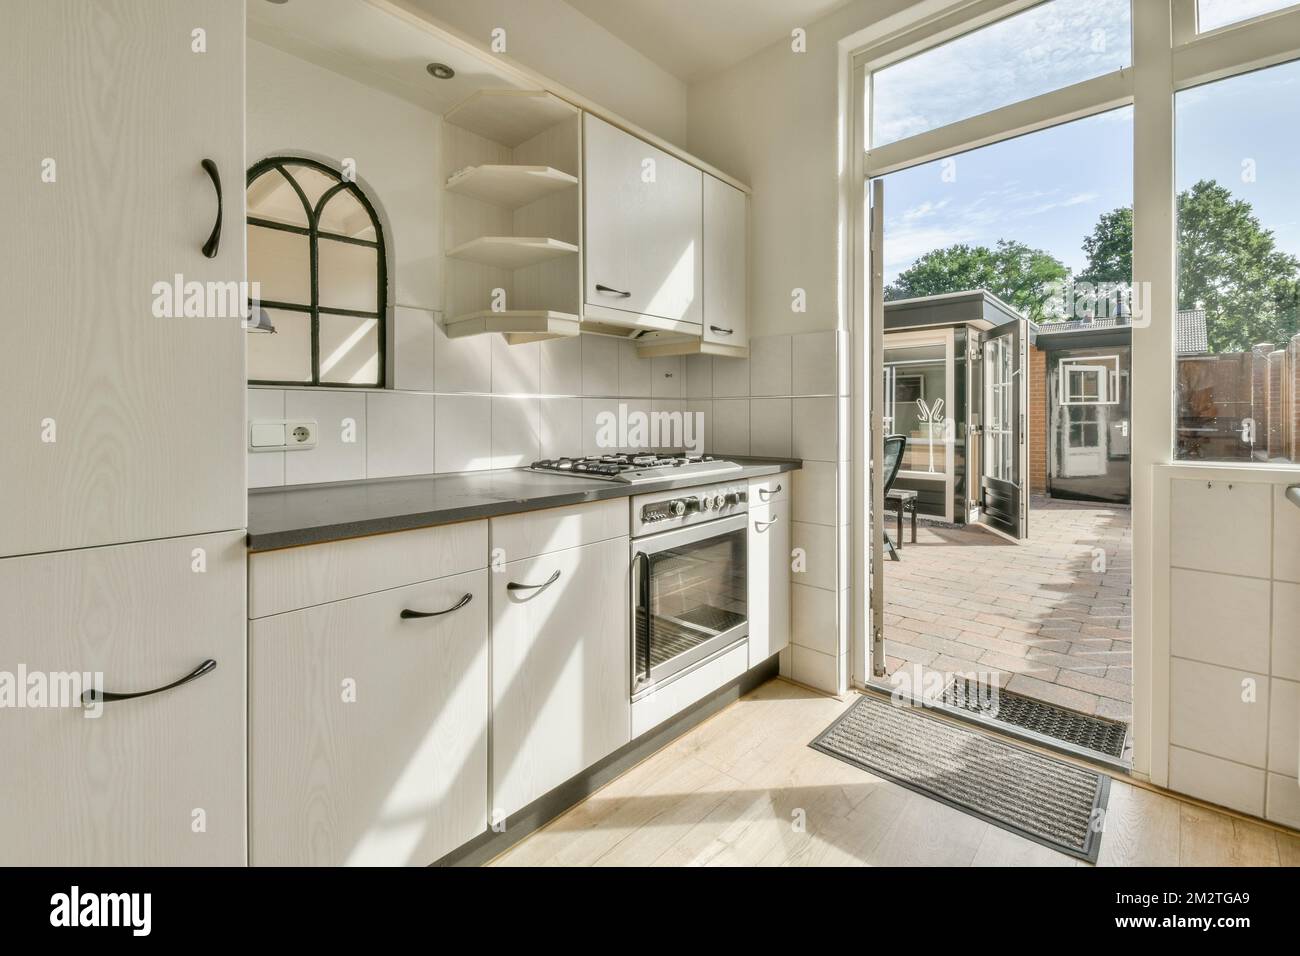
point(1047, 189)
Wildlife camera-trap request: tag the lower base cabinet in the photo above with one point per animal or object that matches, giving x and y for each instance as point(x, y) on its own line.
point(153, 780)
point(769, 578)
point(368, 741)
point(560, 668)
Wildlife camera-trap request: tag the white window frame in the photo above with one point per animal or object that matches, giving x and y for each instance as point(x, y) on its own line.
point(1105, 366)
point(1168, 55)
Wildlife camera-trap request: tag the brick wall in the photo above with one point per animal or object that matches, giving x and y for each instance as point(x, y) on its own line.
point(1037, 421)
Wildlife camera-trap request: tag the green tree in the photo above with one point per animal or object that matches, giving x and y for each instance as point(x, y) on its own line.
point(1019, 275)
point(1228, 264)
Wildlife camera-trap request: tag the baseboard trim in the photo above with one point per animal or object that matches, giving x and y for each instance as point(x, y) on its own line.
point(487, 846)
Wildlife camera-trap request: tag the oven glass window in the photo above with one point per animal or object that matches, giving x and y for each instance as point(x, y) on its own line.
point(690, 601)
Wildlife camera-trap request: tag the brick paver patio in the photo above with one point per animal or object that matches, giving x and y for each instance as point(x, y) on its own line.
point(963, 599)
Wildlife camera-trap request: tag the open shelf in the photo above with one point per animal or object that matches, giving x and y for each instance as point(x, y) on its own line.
point(517, 325)
point(511, 252)
point(509, 117)
point(509, 186)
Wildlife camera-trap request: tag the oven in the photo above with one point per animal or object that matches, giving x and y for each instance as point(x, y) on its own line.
point(689, 587)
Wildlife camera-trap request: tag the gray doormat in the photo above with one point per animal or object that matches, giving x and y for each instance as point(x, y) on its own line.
point(1039, 797)
point(1099, 734)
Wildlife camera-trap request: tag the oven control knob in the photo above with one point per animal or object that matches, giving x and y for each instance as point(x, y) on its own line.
point(719, 501)
point(677, 507)
point(735, 497)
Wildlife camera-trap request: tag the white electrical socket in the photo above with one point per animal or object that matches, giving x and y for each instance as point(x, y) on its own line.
point(277, 434)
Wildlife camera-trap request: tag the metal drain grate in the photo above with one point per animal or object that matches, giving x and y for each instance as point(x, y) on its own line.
point(1069, 726)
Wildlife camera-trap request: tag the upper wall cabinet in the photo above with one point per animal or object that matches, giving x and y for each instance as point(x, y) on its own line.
point(726, 266)
point(511, 161)
point(644, 234)
point(123, 361)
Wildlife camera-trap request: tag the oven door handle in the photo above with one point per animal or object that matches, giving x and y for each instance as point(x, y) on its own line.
point(644, 620)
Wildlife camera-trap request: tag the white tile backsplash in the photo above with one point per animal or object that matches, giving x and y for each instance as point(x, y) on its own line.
point(812, 618)
point(730, 433)
point(414, 332)
point(635, 374)
point(464, 364)
point(562, 366)
point(561, 427)
point(666, 377)
point(814, 363)
point(399, 434)
point(265, 468)
point(1219, 781)
point(1284, 727)
point(697, 371)
point(1286, 630)
point(815, 429)
point(1219, 526)
point(463, 433)
point(516, 432)
point(340, 452)
point(1283, 800)
point(769, 365)
point(769, 427)
point(599, 365)
point(516, 369)
point(731, 377)
point(1286, 537)
point(1214, 710)
point(814, 493)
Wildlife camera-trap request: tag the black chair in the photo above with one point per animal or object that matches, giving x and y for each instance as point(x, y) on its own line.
point(895, 445)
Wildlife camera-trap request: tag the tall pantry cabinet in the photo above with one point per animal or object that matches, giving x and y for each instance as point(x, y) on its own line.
point(121, 442)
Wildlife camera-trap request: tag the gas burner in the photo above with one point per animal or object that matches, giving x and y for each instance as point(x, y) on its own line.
point(632, 469)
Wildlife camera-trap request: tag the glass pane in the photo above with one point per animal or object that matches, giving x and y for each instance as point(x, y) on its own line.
point(1237, 329)
point(282, 356)
point(281, 262)
point(312, 181)
point(1045, 48)
point(348, 276)
point(270, 196)
point(349, 350)
point(344, 215)
point(697, 592)
point(1212, 14)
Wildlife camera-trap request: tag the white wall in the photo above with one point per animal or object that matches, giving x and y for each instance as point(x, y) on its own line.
point(773, 122)
point(554, 39)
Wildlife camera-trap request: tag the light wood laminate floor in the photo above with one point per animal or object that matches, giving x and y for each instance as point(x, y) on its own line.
point(731, 792)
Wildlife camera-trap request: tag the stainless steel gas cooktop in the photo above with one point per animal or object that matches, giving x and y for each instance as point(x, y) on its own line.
point(635, 469)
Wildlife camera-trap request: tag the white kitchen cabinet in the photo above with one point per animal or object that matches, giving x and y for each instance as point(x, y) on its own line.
point(158, 780)
point(560, 668)
point(368, 741)
point(119, 425)
point(726, 265)
point(643, 236)
point(769, 577)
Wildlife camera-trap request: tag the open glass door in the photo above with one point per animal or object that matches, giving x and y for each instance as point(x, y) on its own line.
point(1004, 455)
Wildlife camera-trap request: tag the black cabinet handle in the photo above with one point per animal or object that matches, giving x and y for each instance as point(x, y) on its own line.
point(97, 697)
point(516, 586)
point(610, 291)
point(408, 613)
point(214, 241)
point(720, 330)
point(765, 493)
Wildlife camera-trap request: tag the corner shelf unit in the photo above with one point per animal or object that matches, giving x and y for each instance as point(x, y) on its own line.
point(512, 223)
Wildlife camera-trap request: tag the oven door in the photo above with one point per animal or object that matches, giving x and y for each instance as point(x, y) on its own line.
point(688, 598)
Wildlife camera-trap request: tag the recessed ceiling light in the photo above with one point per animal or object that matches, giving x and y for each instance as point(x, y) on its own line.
point(440, 71)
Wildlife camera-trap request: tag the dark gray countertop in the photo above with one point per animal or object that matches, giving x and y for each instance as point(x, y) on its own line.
point(311, 514)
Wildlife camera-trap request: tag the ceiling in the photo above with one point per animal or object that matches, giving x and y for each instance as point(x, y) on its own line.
point(374, 48)
point(692, 39)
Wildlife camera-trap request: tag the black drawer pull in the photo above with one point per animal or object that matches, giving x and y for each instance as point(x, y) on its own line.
point(408, 613)
point(516, 586)
point(214, 241)
point(720, 330)
point(93, 697)
point(766, 493)
point(611, 291)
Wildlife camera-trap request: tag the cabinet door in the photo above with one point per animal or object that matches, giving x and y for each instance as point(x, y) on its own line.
point(369, 730)
point(726, 264)
point(560, 669)
point(156, 780)
point(643, 235)
point(119, 425)
point(769, 580)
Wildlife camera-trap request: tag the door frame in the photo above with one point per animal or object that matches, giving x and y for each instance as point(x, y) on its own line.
point(1168, 55)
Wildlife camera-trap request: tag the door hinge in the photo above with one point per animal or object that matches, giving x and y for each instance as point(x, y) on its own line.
point(878, 635)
